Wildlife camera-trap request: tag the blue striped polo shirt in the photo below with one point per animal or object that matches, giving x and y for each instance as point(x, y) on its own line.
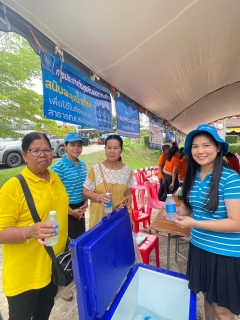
point(227, 244)
point(72, 177)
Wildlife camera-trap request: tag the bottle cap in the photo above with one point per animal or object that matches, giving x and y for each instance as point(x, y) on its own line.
point(169, 195)
point(52, 213)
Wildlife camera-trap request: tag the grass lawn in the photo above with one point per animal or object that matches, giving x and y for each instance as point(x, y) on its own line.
point(135, 156)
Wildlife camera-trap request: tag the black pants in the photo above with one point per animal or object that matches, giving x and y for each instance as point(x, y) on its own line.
point(161, 190)
point(32, 304)
point(76, 227)
point(168, 180)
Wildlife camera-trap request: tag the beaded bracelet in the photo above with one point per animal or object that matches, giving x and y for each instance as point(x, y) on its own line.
point(24, 234)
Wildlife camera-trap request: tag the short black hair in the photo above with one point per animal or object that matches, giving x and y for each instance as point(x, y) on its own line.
point(172, 152)
point(165, 146)
point(32, 136)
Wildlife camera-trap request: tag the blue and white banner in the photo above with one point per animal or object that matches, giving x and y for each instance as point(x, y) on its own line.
point(170, 137)
point(69, 96)
point(155, 133)
point(128, 123)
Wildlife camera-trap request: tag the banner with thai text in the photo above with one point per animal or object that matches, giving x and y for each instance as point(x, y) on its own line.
point(155, 133)
point(170, 137)
point(71, 97)
point(128, 123)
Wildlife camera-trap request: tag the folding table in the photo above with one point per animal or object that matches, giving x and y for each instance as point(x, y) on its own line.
point(160, 224)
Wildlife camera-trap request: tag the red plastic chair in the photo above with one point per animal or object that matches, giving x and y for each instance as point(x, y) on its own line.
point(147, 246)
point(142, 177)
point(154, 180)
point(154, 171)
point(148, 171)
point(153, 202)
point(137, 178)
point(138, 212)
point(140, 185)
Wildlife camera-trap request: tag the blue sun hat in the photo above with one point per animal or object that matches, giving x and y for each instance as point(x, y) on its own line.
point(204, 128)
point(73, 136)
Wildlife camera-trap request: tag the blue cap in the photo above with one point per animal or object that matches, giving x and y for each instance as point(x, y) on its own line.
point(73, 136)
point(204, 128)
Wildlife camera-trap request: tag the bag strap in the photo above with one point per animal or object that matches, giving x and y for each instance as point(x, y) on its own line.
point(121, 203)
point(32, 209)
point(104, 181)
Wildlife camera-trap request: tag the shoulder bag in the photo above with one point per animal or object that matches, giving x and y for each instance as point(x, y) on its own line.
point(62, 272)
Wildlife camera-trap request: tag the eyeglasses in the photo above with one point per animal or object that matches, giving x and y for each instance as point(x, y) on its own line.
point(35, 152)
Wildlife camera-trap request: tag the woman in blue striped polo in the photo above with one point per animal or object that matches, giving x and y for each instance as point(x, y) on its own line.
point(72, 171)
point(211, 194)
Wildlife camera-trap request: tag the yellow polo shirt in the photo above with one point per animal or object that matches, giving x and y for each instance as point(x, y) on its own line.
point(28, 266)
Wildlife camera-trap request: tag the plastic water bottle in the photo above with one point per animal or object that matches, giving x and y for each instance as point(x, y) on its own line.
point(170, 207)
point(108, 206)
point(52, 218)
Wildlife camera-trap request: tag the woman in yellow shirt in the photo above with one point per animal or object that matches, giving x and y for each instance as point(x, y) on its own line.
point(27, 267)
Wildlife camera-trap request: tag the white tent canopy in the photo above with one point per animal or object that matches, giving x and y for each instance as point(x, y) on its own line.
point(180, 59)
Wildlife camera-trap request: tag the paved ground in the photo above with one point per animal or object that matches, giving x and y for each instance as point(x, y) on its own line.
point(92, 148)
point(86, 150)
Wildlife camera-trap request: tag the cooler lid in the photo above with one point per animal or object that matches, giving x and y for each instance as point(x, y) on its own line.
point(102, 259)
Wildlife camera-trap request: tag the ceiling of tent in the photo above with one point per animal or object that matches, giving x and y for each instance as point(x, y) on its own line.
point(179, 59)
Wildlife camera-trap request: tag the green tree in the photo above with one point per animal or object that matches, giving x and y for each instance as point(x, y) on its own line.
point(19, 66)
point(114, 122)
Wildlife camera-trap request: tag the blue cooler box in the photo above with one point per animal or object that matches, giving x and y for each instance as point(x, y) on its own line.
point(111, 286)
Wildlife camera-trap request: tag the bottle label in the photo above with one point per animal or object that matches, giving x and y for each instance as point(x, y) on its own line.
point(171, 208)
point(55, 225)
point(109, 204)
